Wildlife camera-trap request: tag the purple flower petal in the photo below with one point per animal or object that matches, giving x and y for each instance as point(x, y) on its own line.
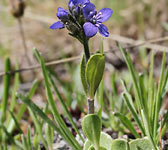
point(103, 30)
point(62, 13)
point(89, 10)
point(82, 1)
point(71, 3)
point(76, 2)
point(90, 29)
point(104, 14)
point(57, 25)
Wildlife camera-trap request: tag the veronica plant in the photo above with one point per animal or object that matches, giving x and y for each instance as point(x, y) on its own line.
point(83, 22)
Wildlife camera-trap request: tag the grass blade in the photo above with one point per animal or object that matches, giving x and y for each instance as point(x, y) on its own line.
point(29, 139)
point(64, 106)
point(159, 96)
point(63, 128)
point(133, 112)
point(147, 130)
point(134, 77)
point(38, 111)
point(13, 99)
point(151, 92)
point(16, 122)
point(10, 137)
point(15, 88)
point(6, 85)
point(127, 123)
point(128, 99)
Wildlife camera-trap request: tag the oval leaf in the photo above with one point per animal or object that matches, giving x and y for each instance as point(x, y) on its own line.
point(91, 126)
point(87, 144)
point(105, 140)
point(94, 72)
point(119, 144)
point(141, 144)
point(91, 147)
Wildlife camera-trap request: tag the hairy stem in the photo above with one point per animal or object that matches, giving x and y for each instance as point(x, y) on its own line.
point(87, 56)
point(86, 49)
point(90, 106)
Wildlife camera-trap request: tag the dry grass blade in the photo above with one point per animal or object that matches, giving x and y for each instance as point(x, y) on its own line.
point(38, 66)
point(137, 43)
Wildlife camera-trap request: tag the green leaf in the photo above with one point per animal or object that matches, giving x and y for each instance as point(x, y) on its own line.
point(38, 111)
point(64, 106)
point(29, 138)
point(11, 138)
point(134, 77)
point(16, 122)
point(105, 141)
point(91, 126)
point(38, 127)
point(11, 123)
point(91, 147)
point(6, 85)
point(13, 98)
point(25, 144)
point(101, 97)
point(142, 88)
point(165, 119)
point(87, 144)
point(14, 90)
point(151, 91)
point(66, 134)
point(94, 72)
point(127, 123)
point(128, 99)
point(82, 74)
point(141, 144)
point(103, 148)
point(119, 144)
point(158, 100)
point(146, 125)
point(49, 132)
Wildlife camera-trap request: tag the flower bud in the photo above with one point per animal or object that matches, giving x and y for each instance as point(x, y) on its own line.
point(17, 8)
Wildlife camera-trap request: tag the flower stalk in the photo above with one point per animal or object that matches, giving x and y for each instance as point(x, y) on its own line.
point(90, 106)
point(87, 56)
point(86, 49)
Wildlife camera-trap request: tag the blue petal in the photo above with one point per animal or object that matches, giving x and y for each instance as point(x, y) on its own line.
point(103, 30)
point(90, 29)
point(82, 1)
point(77, 2)
point(89, 10)
point(62, 13)
point(104, 14)
point(71, 3)
point(57, 25)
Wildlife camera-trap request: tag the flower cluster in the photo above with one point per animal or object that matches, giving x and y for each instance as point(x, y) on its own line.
point(82, 19)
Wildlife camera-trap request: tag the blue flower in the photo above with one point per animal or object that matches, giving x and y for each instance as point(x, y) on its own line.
point(95, 20)
point(73, 3)
point(62, 14)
